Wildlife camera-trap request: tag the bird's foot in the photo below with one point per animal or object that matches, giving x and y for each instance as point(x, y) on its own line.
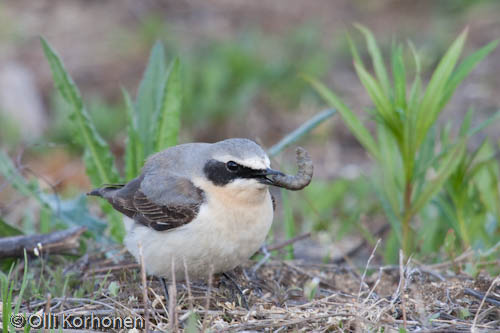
point(235, 284)
point(165, 289)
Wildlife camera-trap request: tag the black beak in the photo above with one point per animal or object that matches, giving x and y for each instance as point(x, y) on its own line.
point(262, 176)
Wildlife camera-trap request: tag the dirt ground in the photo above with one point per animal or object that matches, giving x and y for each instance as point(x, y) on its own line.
point(288, 296)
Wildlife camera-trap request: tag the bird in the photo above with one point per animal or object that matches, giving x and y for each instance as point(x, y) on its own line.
point(197, 208)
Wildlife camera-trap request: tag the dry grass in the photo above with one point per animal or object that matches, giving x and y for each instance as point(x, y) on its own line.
point(336, 298)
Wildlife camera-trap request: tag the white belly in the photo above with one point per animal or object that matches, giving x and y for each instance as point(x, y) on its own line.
point(220, 238)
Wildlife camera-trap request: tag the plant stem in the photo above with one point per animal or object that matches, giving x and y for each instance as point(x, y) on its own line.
point(463, 228)
point(407, 215)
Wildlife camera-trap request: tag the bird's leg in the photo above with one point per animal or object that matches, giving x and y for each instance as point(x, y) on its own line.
point(243, 297)
point(165, 289)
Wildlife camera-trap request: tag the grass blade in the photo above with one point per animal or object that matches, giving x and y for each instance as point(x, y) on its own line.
point(352, 121)
point(168, 116)
point(98, 159)
point(24, 283)
point(301, 131)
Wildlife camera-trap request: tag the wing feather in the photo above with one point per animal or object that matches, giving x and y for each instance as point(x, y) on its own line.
point(180, 202)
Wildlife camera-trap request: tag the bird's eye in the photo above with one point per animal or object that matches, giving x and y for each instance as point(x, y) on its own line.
point(232, 166)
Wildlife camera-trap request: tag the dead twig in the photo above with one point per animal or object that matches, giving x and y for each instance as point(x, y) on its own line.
point(207, 305)
point(188, 285)
point(56, 242)
point(362, 283)
point(144, 288)
point(493, 284)
point(172, 299)
point(402, 284)
point(293, 240)
point(111, 268)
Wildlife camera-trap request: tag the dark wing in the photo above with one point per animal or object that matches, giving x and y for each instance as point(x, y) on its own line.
point(177, 203)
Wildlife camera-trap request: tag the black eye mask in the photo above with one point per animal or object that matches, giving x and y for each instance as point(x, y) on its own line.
point(221, 173)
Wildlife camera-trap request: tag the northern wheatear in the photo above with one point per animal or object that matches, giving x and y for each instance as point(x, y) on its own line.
point(200, 205)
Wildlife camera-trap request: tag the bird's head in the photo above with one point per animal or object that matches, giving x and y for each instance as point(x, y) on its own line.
point(239, 164)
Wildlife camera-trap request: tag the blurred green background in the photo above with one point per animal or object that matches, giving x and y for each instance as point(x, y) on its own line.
point(241, 63)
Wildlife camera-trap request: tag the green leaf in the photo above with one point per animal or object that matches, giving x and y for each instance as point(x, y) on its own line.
point(98, 159)
point(168, 116)
point(448, 164)
point(376, 55)
point(426, 157)
point(114, 288)
point(392, 215)
point(74, 212)
point(301, 131)
point(413, 101)
point(391, 171)
point(392, 246)
point(464, 128)
point(399, 77)
point(409, 134)
point(484, 124)
point(430, 106)
point(354, 50)
point(192, 322)
point(465, 67)
point(381, 101)
point(134, 150)
point(6, 230)
point(416, 58)
point(149, 96)
point(352, 121)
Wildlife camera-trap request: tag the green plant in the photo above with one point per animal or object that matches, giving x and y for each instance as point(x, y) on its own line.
point(469, 202)
point(152, 123)
point(404, 146)
point(7, 286)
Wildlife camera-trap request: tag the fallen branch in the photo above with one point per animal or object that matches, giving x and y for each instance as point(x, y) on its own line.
point(481, 296)
point(56, 242)
point(281, 245)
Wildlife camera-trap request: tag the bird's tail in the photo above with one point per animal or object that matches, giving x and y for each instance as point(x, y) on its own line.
point(106, 191)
